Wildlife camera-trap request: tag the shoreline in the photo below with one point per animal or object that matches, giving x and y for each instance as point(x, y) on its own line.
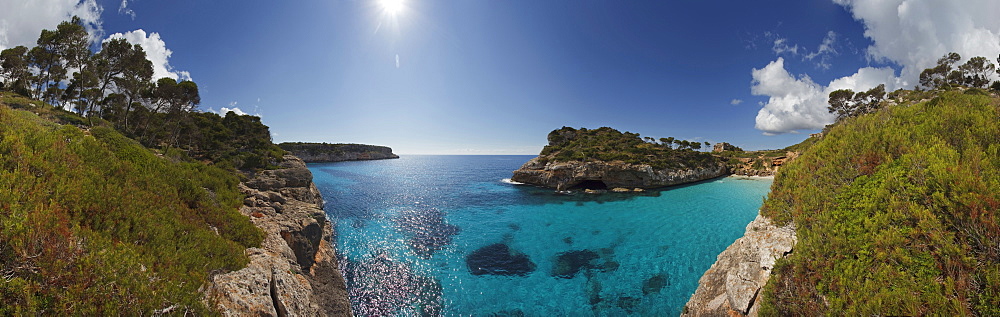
point(753, 177)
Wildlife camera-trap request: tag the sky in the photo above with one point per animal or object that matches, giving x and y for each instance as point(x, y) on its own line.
point(494, 77)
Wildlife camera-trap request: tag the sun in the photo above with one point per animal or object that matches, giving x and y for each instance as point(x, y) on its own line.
point(392, 7)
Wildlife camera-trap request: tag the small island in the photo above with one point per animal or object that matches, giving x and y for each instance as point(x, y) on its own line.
point(605, 158)
point(325, 152)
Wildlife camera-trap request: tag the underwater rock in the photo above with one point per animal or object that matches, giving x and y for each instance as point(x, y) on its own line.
point(499, 259)
point(508, 313)
point(628, 303)
point(427, 230)
point(654, 284)
point(567, 264)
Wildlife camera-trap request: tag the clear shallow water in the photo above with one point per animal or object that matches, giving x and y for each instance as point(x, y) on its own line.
point(405, 228)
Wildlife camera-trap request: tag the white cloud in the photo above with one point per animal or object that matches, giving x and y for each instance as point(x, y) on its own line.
point(781, 47)
point(235, 110)
point(912, 34)
point(156, 51)
point(824, 51)
point(736, 101)
point(21, 21)
point(915, 33)
point(799, 103)
point(397, 60)
point(123, 9)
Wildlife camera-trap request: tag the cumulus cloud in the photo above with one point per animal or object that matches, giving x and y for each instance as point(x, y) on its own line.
point(911, 34)
point(915, 33)
point(798, 103)
point(235, 110)
point(21, 21)
point(156, 51)
point(736, 101)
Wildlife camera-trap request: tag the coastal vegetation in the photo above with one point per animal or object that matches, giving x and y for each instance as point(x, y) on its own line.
point(117, 196)
point(607, 144)
point(92, 222)
point(114, 88)
point(325, 152)
point(896, 210)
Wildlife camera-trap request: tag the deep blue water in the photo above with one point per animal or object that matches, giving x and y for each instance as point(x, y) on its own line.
point(406, 228)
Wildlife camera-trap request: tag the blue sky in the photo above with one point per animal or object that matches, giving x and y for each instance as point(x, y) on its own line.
point(494, 77)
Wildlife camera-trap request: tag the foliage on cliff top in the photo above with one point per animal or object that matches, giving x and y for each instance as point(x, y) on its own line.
point(93, 223)
point(607, 144)
point(897, 214)
point(327, 148)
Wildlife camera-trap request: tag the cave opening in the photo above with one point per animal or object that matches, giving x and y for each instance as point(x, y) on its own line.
point(591, 184)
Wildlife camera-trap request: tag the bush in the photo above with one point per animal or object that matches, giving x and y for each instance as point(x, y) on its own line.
point(896, 214)
point(92, 223)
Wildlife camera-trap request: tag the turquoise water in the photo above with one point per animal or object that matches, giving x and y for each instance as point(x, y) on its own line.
point(406, 228)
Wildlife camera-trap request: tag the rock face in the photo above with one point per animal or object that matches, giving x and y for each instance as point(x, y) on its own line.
point(567, 175)
point(323, 152)
point(762, 166)
point(295, 271)
point(732, 285)
point(723, 146)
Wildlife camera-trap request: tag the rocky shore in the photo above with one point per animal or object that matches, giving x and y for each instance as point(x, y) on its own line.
point(762, 165)
point(731, 287)
point(323, 152)
point(295, 272)
point(609, 175)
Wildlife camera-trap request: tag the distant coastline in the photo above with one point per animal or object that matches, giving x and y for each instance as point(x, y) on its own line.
point(325, 152)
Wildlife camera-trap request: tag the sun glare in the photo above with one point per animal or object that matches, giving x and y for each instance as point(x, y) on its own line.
point(392, 7)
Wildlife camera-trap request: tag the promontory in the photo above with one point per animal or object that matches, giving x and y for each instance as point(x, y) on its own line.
point(606, 158)
point(324, 152)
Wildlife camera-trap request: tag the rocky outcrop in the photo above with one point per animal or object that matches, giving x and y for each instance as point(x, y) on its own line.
point(762, 165)
point(732, 285)
point(723, 146)
point(295, 271)
point(604, 175)
point(323, 152)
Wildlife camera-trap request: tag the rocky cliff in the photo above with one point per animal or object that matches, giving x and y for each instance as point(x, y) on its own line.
point(732, 285)
point(323, 152)
point(765, 164)
point(606, 175)
point(295, 271)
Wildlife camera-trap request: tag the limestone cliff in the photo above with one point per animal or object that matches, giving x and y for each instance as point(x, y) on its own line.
point(732, 285)
point(765, 164)
point(323, 152)
point(295, 271)
point(614, 174)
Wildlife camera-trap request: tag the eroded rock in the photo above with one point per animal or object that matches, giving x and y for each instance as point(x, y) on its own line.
point(732, 285)
point(616, 174)
point(295, 271)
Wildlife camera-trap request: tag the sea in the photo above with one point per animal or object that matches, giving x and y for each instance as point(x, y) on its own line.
point(453, 236)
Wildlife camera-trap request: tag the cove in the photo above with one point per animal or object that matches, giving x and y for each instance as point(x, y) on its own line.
point(446, 235)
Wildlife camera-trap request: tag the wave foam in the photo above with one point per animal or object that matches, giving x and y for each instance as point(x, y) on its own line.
point(508, 181)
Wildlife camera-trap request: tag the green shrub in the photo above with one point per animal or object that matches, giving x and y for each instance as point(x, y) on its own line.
point(93, 223)
point(896, 214)
point(607, 144)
